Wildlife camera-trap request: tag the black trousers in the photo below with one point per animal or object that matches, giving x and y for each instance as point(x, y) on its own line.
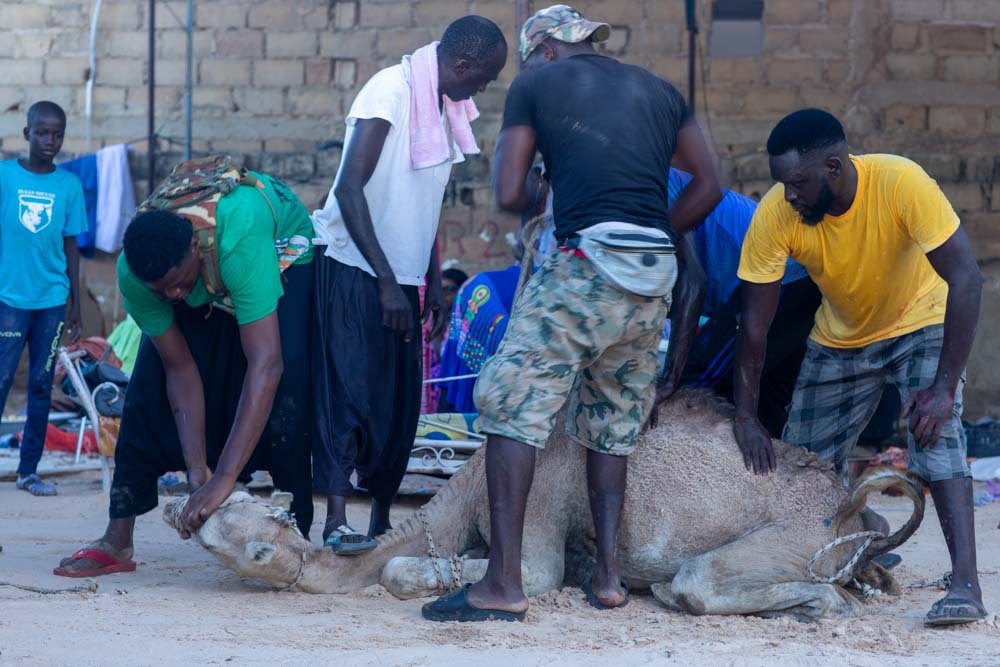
point(148, 444)
point(366, 383)
point(713, 353)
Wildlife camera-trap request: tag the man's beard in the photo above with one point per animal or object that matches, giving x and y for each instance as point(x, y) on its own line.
point(816, 213)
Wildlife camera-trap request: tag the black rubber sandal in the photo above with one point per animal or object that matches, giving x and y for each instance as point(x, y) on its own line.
point(954, 610)
point(455, 606)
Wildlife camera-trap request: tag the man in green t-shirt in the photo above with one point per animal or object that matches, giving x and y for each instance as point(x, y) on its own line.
point(215, 374)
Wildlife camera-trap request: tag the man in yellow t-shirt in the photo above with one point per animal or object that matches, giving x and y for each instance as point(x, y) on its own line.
point(901, 292)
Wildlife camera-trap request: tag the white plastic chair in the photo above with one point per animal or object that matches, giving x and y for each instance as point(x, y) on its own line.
point(71, 362)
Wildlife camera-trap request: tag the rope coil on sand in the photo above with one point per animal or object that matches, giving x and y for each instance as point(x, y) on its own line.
point(89, 587)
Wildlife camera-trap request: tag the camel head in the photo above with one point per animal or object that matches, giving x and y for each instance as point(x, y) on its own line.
point(253, 538)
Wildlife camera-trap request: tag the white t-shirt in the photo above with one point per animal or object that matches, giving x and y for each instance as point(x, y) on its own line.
point(405, 203)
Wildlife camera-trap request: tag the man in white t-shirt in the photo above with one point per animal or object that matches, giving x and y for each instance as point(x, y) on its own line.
point(406, 128)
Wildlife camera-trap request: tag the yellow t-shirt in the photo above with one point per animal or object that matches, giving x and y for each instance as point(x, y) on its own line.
point(870, 263)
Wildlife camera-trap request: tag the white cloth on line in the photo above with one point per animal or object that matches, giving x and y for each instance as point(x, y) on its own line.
point(115, 197)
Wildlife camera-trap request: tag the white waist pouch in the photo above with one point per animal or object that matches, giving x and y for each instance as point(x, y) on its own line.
point(640, 260)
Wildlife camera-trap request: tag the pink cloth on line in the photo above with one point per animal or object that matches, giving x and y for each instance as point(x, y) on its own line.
point(429, 145)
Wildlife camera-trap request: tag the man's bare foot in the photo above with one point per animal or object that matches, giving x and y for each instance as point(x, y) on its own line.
point(482, 595)
point(379, 523)
point(456, 606)
point(607, 587)
point(72, 565)
point(114, 548)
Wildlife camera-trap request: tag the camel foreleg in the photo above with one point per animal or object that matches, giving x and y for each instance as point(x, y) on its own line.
point(744, 577)
point(408, 577)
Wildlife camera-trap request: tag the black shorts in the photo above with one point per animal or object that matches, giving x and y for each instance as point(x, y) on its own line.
point(148, 445)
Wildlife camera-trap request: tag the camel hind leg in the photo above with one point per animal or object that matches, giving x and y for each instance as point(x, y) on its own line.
point(743, 577)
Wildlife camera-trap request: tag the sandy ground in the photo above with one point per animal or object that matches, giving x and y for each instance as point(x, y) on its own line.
point(181, 606)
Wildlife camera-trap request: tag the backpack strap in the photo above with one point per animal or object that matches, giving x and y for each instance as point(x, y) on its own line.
point(202, 217)
point(208, 251)
point(250, 179)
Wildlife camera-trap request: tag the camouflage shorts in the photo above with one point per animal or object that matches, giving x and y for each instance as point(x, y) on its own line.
point(573, 335)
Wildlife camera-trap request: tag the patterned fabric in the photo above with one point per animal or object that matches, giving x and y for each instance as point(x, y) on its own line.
point(838, 390)
point(291, 250)
point(572, 334)
point(560, 22)
point(195, 181)
point(447, 426)
point(430, 394)
point(479, 321)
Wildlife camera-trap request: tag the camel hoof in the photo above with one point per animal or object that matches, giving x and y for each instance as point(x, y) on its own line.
point(663, 592)
point(877, 577)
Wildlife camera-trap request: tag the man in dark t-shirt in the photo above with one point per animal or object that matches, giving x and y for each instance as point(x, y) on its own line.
point(607, 132)
point(608, 159)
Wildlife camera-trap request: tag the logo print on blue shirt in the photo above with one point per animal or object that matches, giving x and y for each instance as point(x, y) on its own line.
point(34, 209)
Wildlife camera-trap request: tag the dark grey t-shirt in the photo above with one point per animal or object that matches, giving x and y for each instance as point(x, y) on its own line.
point(607, 132)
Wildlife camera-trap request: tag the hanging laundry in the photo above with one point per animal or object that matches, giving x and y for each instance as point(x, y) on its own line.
point(85, 169)
point(108, 195)
point(115, 197)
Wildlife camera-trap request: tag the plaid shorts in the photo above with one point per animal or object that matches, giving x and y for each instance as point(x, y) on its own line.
point(572, 334)
point(838, 390)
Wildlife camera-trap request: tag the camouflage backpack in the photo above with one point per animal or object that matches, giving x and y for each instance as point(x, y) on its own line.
point(193, 190)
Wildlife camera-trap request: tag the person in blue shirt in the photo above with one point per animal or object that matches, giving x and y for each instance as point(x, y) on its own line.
point(479, 320)
point(41, 212)
point(719, 241)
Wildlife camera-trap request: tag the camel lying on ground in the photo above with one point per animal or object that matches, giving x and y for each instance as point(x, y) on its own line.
point(708, 536)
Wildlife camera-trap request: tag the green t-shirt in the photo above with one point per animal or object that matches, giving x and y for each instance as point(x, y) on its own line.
point(248, 259)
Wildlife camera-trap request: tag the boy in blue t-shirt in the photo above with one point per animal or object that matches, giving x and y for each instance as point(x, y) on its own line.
point(41, 212)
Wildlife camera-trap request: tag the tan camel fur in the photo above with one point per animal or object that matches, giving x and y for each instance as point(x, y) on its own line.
point(708, 536)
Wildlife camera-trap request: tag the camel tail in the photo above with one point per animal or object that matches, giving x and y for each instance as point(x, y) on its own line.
point(876, 480)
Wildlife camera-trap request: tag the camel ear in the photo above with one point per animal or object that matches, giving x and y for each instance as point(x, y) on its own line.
point(260, 553)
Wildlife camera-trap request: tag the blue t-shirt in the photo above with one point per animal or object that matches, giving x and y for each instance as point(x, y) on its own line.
point(478, 323)
point(36, 212)
point(719, 242)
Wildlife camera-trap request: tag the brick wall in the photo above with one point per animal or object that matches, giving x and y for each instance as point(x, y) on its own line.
point(273, 79)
